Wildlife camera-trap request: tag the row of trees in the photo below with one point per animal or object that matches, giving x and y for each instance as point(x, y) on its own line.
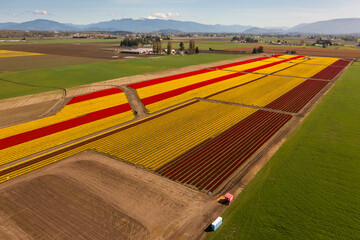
point(192, 48)
point(157, 47)
point(136, 41)
point(156, 43)
point(324, 42)
point(247, 39)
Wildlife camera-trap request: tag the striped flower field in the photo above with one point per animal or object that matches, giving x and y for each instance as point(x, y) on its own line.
point(203, 125)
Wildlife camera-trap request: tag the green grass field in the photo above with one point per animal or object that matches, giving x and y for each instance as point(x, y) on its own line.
point(310, 189)
point(75, 75)
point(23, 63)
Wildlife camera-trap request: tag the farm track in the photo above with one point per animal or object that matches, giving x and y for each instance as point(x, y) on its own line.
point(136, 104)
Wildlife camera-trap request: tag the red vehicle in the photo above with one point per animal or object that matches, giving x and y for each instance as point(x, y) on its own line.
point(228, 198)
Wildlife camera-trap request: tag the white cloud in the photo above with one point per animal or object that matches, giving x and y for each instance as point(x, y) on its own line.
point(40, 12)
point(14, 15)
point(112, 14)
point(163, 15)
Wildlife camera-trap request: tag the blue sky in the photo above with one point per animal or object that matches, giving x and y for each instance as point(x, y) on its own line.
point(262, 13)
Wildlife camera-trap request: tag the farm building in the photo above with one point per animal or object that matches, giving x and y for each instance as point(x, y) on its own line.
point(137, 51)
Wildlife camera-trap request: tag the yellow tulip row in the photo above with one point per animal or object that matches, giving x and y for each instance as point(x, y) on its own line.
point(201, 92)
point(321, 60)
point(6, 53)
point(68, 112)
point(179, 83)
point(153, 143)
point(52, 140)
point(279, 67)
point(244, 67)
point(308, 68)
point(260, 93)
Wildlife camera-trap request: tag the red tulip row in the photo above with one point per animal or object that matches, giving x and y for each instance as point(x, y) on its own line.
point(212, 162)
point(61, 126)
point(298, 97)
point(332, 71)
point(94, 95)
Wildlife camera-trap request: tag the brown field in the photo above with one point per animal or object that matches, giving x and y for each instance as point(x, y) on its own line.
point(85, 50)
point(91, 196)
point(41, 61)
point(24, 113)
point(324, 52)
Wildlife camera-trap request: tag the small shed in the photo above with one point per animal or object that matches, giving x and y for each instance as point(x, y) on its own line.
point(216, 223)
point(229, 198)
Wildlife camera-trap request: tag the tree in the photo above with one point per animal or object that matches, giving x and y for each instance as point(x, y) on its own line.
point(182, 46)
point(261, 49)
point(197, 50)
point(169, 47)
point(157, 47)
point(192, 47)
point(254, 50)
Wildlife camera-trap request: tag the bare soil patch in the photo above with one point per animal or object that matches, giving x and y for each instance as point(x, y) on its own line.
point(324, 52)
point(91, 196)
point(24, 113)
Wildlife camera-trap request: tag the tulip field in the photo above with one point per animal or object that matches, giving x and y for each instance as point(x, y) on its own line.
point(6, 54)
point(80, 117)
point(201, 128)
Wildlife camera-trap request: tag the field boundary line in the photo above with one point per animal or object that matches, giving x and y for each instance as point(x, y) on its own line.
point(247, 106)
point(270, 74)
point(31, 85)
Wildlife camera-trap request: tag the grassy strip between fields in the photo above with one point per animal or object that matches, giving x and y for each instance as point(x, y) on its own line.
point(75, 75)
point(310, 188)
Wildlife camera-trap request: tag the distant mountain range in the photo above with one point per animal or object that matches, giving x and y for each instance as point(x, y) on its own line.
point(39, 24)
point(335, 26)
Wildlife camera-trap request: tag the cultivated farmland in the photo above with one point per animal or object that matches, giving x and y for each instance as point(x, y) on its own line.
point(200, 129)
